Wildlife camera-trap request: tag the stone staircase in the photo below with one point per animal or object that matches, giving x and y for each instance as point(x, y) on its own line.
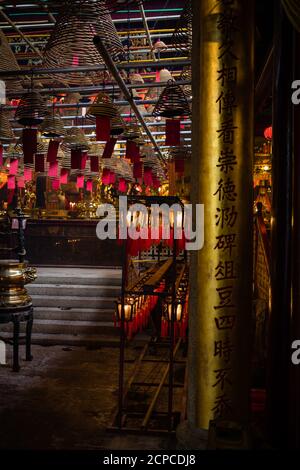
point(73, 306)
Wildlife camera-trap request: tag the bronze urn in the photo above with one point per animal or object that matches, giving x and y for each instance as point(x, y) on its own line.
point(14, 275)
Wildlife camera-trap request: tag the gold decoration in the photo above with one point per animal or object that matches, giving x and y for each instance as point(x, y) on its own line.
point(13, 277)
point(221, 270)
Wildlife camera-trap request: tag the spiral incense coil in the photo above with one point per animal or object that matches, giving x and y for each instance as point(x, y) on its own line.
point(14, 151)
point(76, 139)
point(152, 162)
point(119, 5)
point(117, 126)
point(182, 37)
point(179, 153)
point(8, 62)
point(95, 149)
point(172, 102)
point(31, 110)
point(110, 6)
point(6, 132)
point(102, 106)
point(42, 147)
point(71, 42)
point(53, 126)
point(186, 75)
point(65, 158)
point(132, 132)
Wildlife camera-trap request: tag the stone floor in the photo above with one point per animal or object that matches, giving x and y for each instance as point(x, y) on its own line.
point(64, 399)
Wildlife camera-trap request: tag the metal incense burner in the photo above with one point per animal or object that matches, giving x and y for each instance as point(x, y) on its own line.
point(14, 275)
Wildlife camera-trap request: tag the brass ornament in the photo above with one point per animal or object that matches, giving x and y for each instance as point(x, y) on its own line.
point(13, 278)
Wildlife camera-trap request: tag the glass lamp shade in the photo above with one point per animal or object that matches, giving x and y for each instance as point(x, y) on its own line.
point(130, 304)
point(168, 309)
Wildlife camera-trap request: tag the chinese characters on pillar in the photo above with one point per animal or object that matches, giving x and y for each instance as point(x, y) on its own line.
point(226, 216)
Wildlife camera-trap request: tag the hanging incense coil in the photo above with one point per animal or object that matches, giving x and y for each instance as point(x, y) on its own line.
point(53, 126)
point(186, 75)
point(6, 132)
point(152, 162)
point(102, 106)
point(95, 149)
point(65, 158)
point(132, 131)
point(117, 126)
point(140, 140)
point(8, 62)
point(172, 102)
point(42, 147)
point(119, 5)
point(182, 37)
point(111, 6)
point(76, 140)
point(179, 153)
point(31, 110)
point(71, 42)
point(14, 151)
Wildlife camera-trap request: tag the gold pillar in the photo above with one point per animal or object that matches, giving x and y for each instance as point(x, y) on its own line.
point(221, 289)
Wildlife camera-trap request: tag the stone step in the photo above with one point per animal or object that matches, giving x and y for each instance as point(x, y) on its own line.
point(73, 290)
point(81, 314)
point(66, 327)
point(74, 301)
point(94, 341)
point(81, 276)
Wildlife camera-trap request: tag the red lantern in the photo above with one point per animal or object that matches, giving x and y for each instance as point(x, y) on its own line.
point(268, 133)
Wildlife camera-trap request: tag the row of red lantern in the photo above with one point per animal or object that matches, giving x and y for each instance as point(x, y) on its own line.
point(180, 323)
point(134, 247)
point(137, 311)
